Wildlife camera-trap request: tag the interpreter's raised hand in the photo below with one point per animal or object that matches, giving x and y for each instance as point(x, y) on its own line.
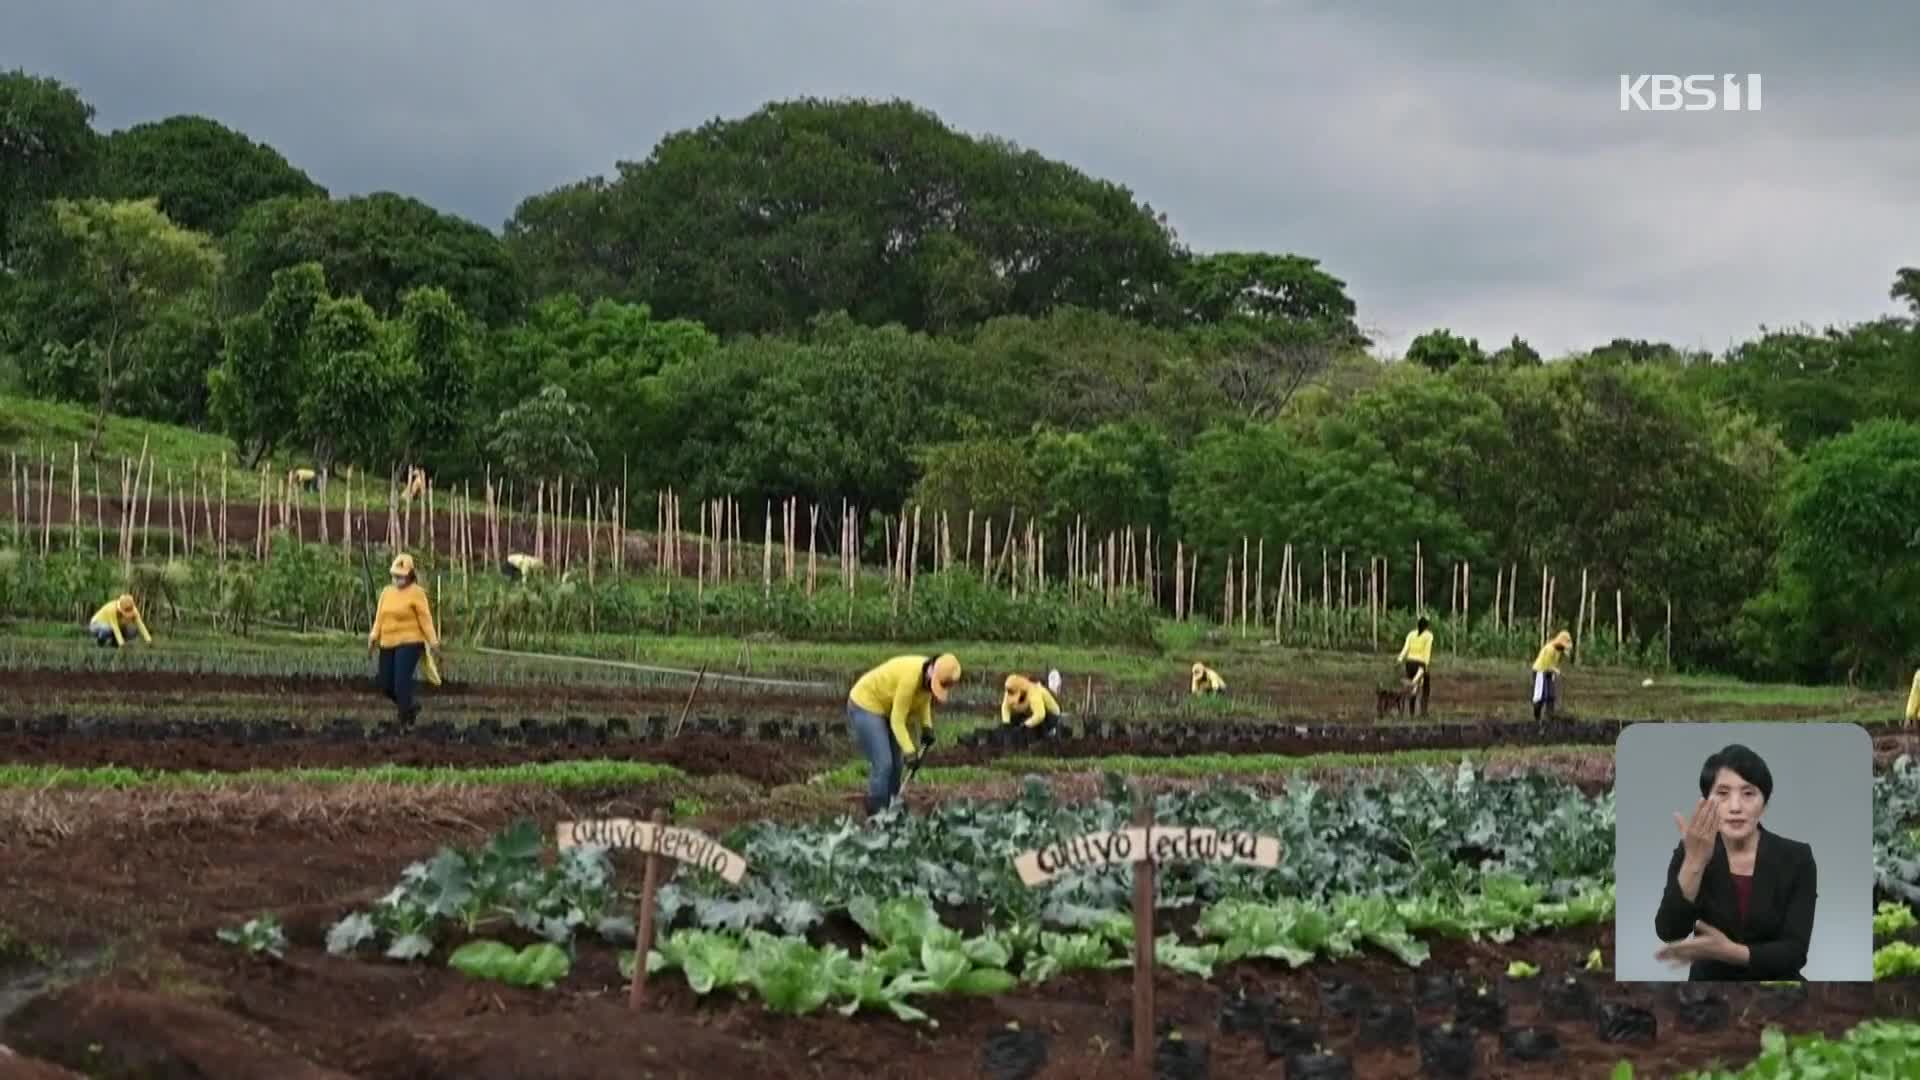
point(1697, 832)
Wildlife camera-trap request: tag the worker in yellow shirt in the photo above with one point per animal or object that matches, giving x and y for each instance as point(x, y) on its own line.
point(1546, 674)
point(304, 479)
point(416, 484)
point(887, 708)
point(1913, 701)
point(1416, 656)
point(110, 623)
point(1206, 680)
point(1035, 706)
point(520, 565)
point(402, 631)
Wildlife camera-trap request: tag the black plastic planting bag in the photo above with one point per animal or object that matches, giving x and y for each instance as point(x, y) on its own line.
point(1240, 1014)
point(1344, 998)
point(1482, 1007)
point(1180, 1059)
point(1570, 998)
point(1701, 1008)
point(1289, 1038)
point(1626, 1023)
point(1014, 1055)
point(1446, 1050)
point(1320, 1066)
point(1436, 991)
point(1530, 1044)
point(1386, 1024)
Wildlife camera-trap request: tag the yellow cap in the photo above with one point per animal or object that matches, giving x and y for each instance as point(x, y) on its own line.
point(126, 604)
point(946, 672)
point(1199, 669)
point(1018, 684)
point(1564, 640)
point(402, 565)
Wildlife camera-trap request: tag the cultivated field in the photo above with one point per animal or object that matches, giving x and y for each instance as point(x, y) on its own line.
point(156, 798)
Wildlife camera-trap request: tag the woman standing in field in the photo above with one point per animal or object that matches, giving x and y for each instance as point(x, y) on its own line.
point(402, 631)
point(1546, 674)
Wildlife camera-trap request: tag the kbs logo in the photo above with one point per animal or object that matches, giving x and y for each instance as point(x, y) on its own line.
point(1689, 93)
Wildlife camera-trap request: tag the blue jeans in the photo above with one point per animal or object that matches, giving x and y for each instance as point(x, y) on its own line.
point(396, 674)
point(874, 736)
point(102, 635)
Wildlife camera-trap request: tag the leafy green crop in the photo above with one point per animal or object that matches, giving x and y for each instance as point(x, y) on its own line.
point(1873, 1050)
point(538, 966)
point(257, 936)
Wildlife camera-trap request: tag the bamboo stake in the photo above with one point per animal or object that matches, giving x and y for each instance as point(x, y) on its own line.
point(766, 557)
point(1226, 605)
point(813, 536)
point(1498, 573)
point(1580, 618)
point(1543, 605)
point(1619, 620)
point(146, 514)
point(99, 514)
point(1246, 552)
point(913, 556)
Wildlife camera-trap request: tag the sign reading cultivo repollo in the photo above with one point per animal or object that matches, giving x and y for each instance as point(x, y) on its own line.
point(667, 841)
point(1146, 846)
point(662, 844)
point(1158, 844)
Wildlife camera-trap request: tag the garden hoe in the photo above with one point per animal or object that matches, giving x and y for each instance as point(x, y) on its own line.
point(912, 770)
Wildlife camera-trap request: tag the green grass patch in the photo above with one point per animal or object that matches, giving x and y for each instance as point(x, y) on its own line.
point(556, 774)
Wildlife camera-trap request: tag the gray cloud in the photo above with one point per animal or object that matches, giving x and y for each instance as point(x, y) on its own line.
point(1462, 164)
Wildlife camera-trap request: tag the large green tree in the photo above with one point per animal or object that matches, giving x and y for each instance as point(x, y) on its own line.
point(1218, 287)
point(1846, 590)
point(434, 341)
point(204, 174)
point(47, 148)
point(378, 247)
point(255, 391)
point(137, 263)
point(357, 391)
point(877, 209)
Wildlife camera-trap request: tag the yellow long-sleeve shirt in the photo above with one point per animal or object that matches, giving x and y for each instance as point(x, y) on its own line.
point(1548, 660)
point(110, 615)
point(1208, 681)
point(898, 691)
point(1036, 699)
point(1419, 646)
point(1913, 699)
point(403, 618)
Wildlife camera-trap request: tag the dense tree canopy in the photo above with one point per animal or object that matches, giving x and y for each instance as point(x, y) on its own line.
point(877, 209)
point(851, 302)
point(204, 174)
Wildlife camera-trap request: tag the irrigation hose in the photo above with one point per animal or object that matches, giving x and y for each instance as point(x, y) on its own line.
point(741, 679)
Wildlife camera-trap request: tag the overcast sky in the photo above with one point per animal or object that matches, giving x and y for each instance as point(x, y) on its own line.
point(1463, 164)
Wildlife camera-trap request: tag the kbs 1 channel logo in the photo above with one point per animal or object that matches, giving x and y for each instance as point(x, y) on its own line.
point(1689, 93)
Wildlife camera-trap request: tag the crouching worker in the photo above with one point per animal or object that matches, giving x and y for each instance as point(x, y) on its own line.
point(305, 479)
point(402, 632)
point(110, 624)
point(1033, 705)
point(1207, 681)
point(888, 708)
point(519, 566)
point(1546, 674)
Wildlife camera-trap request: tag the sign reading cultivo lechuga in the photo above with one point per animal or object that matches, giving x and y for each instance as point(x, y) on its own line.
point(1157, 845)
point(661, 843)
point(1145, 845)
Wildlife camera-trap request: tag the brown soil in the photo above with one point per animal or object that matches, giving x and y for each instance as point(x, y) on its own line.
point(175, 1002)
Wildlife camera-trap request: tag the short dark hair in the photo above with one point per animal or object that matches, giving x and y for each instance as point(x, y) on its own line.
point(1743, 763)
point(1423, 623)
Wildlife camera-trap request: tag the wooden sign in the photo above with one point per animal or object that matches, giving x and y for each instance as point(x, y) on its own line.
point(1146, 846)
point(1156, 845)
point(668, 841)
point(661, 842)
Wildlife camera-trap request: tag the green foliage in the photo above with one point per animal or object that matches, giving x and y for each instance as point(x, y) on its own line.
point(203, 173)
point(47, 148)
point(255, 392)
point(258, 936)
point(433, 341)
point(873, 208)
point(536, 967)
point(543, 436)
point(1441, 351)
point(356, 395)
point(378, 247)
point(1846, 580)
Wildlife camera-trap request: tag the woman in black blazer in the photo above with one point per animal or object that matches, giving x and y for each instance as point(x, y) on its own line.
point(1742, 898)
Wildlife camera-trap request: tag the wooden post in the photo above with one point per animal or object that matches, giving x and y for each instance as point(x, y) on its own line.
point(1580, 618)
point(1142, 938)
point(766, 557)
point(643, 923)
point(1499, 572)
point(1245, 551)
point(1543, 605)
point(1669, 643)
point(1179, 581)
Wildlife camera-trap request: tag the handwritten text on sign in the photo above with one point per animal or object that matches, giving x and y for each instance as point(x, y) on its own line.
point(681, 845)
point(1161, 844)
